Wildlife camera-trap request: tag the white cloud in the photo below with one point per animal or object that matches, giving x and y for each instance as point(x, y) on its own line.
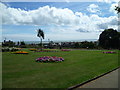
point(108, 1)
point(59, 17)
point(112, 8)
point(42, 16)
point(54, 37)
point(106, 22)
point(21, 37)
point(93, 8)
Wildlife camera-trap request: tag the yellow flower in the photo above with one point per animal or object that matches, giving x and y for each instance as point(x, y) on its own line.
point(21, 52)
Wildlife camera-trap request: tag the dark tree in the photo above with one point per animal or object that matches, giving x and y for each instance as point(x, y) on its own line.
point(8, 43)
point(18, 43)
point(40, 34)
point(117, 9)
point(109, 38)
point(22, 44)
point(77, 45)
point(86, 44)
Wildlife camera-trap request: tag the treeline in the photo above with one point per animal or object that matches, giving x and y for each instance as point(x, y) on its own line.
point(86, 44)
point(108, 39)
point(22, 44)
point(10, 43)
point(83, 44)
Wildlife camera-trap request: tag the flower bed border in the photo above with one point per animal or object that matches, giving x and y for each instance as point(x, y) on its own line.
point(49, 59)
point(109, 52)
point(20, 52)
point(66, 50)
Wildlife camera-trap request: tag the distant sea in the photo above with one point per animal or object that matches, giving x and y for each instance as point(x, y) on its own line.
point(36, 42)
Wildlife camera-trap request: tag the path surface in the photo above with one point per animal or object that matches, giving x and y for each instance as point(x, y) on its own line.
point(108, 81)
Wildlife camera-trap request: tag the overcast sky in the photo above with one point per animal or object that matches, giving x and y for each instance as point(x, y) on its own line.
point(59, 20)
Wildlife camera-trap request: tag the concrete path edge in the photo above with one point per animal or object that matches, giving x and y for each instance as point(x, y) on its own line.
point(78, 85)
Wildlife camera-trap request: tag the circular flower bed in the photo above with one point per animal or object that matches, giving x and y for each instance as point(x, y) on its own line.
point(20, 52)
point(49, 59)
point(109, 52)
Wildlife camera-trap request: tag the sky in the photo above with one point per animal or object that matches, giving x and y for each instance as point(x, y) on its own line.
point(60, 21)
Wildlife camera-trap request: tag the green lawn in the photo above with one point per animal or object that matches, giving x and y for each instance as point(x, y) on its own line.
point(21, 71)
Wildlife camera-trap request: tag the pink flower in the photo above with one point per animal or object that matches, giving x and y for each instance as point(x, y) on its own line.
point(49, 59)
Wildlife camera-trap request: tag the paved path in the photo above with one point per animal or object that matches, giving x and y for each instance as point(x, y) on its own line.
point(108, 81)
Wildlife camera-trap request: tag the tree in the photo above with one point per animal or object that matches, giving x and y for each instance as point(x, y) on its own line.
point(22, 44)
point(86, 44)
point(117, 9)
point(109, 38)
point(8, 43)
point(40, 34)
point(77, 45)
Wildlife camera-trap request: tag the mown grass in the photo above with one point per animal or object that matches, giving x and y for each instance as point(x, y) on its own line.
point(21, 71)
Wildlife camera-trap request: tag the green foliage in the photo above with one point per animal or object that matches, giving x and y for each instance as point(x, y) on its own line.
point(9, 49)
point(85, 44)
point(40, 33)
point(8, 43)
point(109, 38)
point(117, 9)
point(22, 44)
point(77, 45)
